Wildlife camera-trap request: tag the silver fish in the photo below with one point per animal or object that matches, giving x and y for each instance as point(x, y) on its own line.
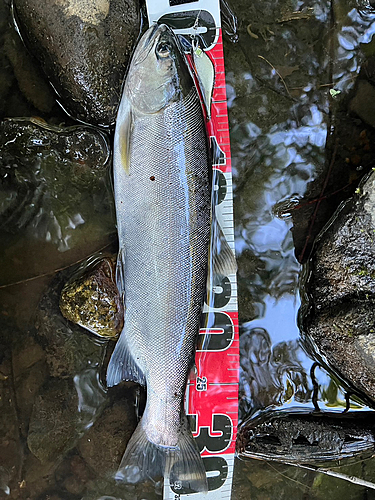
point(163, 203)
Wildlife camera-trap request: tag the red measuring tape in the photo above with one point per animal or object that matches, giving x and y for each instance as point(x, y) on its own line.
point(211, 399)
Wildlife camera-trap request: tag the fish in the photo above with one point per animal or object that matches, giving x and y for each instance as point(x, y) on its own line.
point(163, 196)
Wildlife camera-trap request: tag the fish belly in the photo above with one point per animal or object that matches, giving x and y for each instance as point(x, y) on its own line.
point(163, 211)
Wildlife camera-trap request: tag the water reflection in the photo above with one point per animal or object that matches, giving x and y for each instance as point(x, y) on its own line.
point(270, 375)
point(4, 480)
point(91, 395)
point(355, 29)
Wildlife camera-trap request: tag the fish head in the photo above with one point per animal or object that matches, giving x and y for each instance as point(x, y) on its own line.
point(158, 73)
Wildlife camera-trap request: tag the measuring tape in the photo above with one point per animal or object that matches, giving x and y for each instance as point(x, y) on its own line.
point(211, 399)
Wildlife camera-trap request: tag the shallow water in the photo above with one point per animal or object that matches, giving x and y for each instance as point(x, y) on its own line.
point(293, 66)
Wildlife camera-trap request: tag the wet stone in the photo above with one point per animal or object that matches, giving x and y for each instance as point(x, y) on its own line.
point(84, 48)
point(338, 318)
point(363, 102)
point(54, 421)
point(30, 79)
point(73, 397)
point(70, 351)
point(104, 444)
point(37, 477)
point(73, 474)
point(91, 299)
point(301, 437)
point(30, 373)
point(61, 415)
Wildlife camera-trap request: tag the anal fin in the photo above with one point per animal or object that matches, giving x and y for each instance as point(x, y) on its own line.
point(122, 365)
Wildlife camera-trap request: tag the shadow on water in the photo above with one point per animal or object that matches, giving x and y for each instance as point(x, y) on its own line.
point(300, 86)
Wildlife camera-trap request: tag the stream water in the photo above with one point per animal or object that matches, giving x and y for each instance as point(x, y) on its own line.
point(295, 64)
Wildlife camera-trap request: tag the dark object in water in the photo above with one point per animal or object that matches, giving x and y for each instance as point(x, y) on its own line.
point(83, 48)
point(337, 315)
point(303, 437)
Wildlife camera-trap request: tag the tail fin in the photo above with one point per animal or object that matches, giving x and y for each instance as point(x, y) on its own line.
point(182, 465)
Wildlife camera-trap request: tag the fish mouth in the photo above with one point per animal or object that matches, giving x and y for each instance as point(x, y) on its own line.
point(150, 39)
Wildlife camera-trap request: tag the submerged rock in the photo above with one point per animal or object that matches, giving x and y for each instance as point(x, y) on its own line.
point(55, 196)
point(91, 298)
point(84, 48)
point(10, 444)
point(69, 350)
point(29, 374)
point(104, 444)
point(338, 317)
point(306, 438)
point(54, 425)
point(71, 399)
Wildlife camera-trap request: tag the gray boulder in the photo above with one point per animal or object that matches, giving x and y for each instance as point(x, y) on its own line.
point(338, 315)
point(83, 47)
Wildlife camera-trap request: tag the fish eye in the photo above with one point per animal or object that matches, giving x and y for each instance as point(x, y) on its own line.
point(163, 49)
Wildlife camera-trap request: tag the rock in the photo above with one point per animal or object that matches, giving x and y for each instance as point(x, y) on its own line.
point(10, 444)
point(29, 372)
point(56, 196)
point(84, 48)
point(27, 389)
point(104, 444)
point(37, 477)
point(302, 436)
point(26, 356)
point(362, 103)
point(24, 88)
point(338, 315)
point(30, 79)
point(70, 351)
point(73, 474)
point(91, 299)
point(58, 420)
point(73, 397)
point(54, 422)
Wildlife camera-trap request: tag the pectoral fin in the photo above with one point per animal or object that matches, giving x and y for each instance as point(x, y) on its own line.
point(123, 135)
